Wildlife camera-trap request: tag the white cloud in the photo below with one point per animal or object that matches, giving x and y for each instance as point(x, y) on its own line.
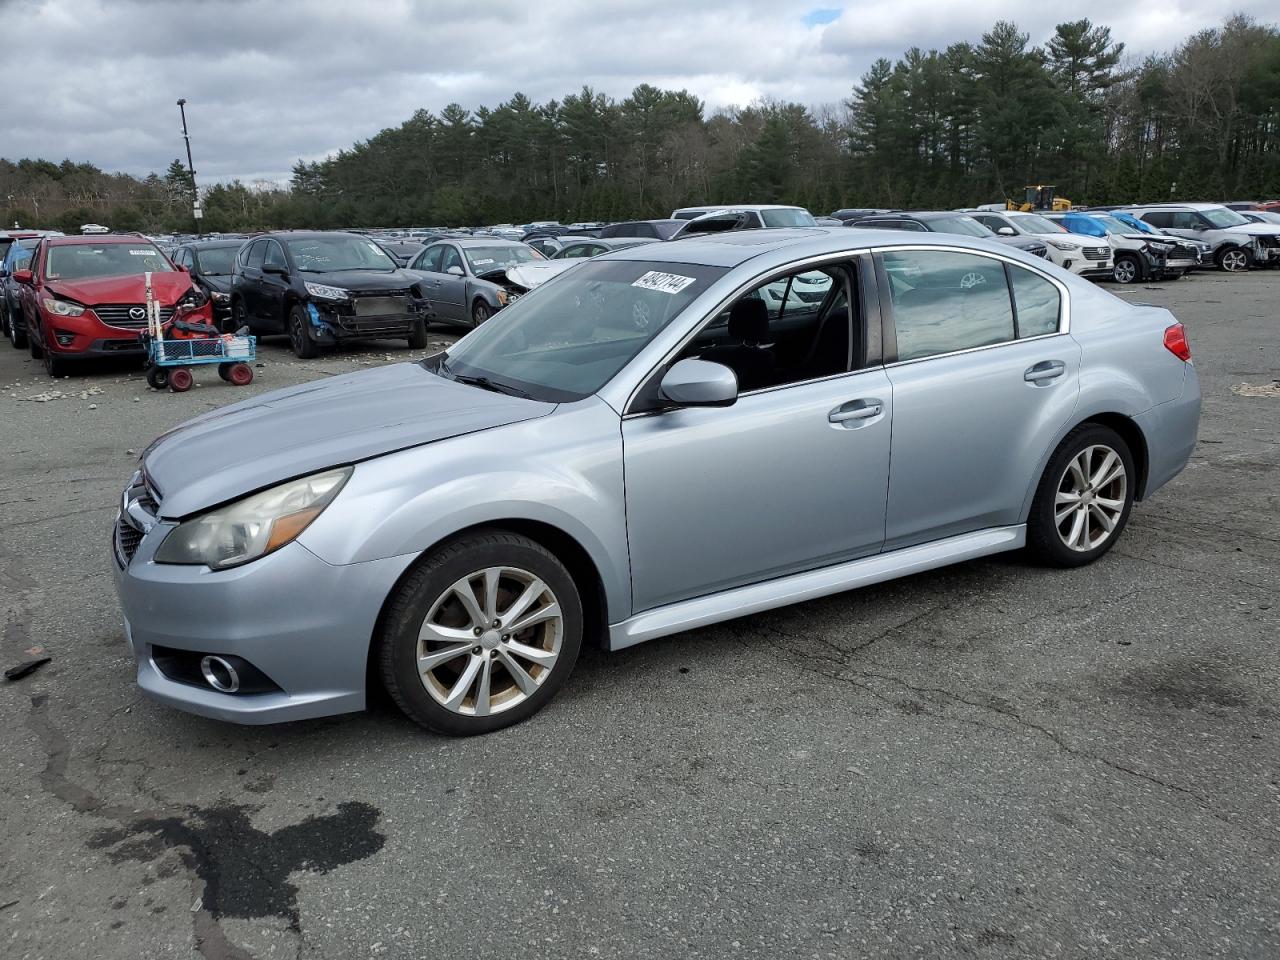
point(269, 81)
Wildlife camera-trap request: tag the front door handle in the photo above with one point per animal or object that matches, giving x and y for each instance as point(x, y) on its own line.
point(1044, 371)
point(864, 409)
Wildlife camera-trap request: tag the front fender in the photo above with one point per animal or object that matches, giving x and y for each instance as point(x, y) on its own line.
point(563, 470)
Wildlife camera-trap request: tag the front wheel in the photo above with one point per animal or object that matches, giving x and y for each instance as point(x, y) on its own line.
point(1234, 259)
point(238, 319)
point(480, 312)
point(157, 377)
point(1084, 498)
point(481, 635)
point(54, 365)
point(181, 380)
point(304, 347)
point(418, 335)
point(1127, 269)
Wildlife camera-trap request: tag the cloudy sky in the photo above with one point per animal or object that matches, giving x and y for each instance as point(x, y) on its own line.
point(270, 81)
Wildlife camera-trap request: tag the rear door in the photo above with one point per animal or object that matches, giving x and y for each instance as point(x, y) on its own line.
point(983, 371)
point(251, 293)
point(452, 288)
point(274, 286)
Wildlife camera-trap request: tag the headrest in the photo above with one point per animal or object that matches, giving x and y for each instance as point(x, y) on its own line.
point(749, 321)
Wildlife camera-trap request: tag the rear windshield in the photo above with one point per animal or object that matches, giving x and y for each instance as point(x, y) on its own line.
point(965, 226)
point(1223, 218)
point(84, 261)
point(793, 217)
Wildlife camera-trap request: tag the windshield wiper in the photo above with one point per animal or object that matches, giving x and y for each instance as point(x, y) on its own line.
point(487, 384)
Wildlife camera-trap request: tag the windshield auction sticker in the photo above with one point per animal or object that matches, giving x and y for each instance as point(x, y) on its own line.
point(663, 282)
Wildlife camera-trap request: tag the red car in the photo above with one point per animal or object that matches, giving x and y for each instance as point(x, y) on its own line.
point(85, 297)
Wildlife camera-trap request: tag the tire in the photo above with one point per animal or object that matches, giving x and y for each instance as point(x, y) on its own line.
point(34, 347)
point(181, 380)
point(1085, 537)
point(427, 595)
point(240, 375)
point(238, 317)
point(1233, 259)
point(304, 347)
point(480, 312)
point(17, 338)
point(54, 365)
point(418, 335)
point(157, 377)
point(1127, 269)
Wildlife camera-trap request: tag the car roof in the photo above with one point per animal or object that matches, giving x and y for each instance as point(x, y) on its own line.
point(717, 207)
point(785, 245)
point(98, 238)
point(214, 244)
point(1175, 206)
point(468, 242)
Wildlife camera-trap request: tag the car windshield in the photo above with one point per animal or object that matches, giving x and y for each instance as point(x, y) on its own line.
point(788, 217)
point(217, 261)
point(1223, 218)
point(1135, 223)
point(336, 252)
point(565, 340)
point(488, 259)
point(966, 226)
point(1034, 224)
point(84, 261)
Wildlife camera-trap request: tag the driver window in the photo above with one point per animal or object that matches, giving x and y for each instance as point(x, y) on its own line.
point(451, 259)
point(274, 256)
point(796, 327)
point(430, 260)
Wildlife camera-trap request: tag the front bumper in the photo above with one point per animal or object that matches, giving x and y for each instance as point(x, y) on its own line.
point(337, 320)
point(88, 337)
point(304, 623)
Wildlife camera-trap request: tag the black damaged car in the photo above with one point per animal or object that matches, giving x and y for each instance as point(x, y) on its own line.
point(210, 263)
point(323, 288)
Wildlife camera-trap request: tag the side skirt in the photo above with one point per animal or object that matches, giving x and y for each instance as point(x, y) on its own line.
point(798, 587)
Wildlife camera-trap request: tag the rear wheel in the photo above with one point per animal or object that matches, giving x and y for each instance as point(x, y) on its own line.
point(240, 374)
point(1084, 498)
point(481, 635)
point(1234, 259)
point(181, 380)
point(1127, 269)
point(480, 312)
point(304, 347)
point(17, 338)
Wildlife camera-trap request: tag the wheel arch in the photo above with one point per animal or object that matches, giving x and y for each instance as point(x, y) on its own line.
point(1121, 423)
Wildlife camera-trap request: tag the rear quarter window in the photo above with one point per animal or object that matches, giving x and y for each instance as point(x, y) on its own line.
point(946, 302)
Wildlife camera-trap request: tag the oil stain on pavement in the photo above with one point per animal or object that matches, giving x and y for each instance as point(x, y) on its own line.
point(246, 870)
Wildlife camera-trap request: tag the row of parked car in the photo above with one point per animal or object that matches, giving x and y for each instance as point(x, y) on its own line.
point(67, 298)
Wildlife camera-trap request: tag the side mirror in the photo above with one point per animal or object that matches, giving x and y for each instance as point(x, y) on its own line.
point(276, 268)
point(699, 383)
point(1007, 232)
point(454, 271)
point(22, 276)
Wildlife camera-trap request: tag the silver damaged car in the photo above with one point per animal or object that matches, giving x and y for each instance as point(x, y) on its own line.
point(662, 438)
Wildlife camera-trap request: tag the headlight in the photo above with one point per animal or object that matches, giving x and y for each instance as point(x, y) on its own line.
point(193, 299)
point(63, 308)
point(326, 292)
point(1063, 244)
point(252, 527)
point(502, 297)
point(219, 297)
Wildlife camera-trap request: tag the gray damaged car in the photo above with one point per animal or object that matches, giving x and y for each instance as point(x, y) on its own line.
point(665, 437)
point(466, 279)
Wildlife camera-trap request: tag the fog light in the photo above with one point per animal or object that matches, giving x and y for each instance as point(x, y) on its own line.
point(220, 674)
point(1066, 264)
point(64, 339)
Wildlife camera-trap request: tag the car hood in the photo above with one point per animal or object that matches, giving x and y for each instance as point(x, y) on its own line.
point(289, 433)
point(374, 280)
point(1022, 243)
point(219, 282)
point(1257, 229)
point(530, 275)
point(168, 288)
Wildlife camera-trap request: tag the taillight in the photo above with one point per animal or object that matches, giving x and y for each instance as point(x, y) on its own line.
point(1175, 341)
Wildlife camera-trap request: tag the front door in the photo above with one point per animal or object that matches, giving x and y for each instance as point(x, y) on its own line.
point(791, 477)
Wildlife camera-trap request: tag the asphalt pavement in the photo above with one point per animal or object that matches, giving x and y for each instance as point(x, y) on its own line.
point(992, 760)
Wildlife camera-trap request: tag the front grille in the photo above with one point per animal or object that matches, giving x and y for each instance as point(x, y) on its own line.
point(127, 539)
point(1266, 240)
point(1039, 251)
point(1097, 253)
point(382, 306)
point(117, 315)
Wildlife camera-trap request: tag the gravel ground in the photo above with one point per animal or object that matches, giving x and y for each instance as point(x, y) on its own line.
point(991, 760)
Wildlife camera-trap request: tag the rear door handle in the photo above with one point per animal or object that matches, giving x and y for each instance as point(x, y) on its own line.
point(1044, 371)
point(864, 409)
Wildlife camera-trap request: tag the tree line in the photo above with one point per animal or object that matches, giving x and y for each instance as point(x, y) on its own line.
point(972, 123)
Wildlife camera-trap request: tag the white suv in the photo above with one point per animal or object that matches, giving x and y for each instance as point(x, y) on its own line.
point(1085, 255)
point(1237, 243)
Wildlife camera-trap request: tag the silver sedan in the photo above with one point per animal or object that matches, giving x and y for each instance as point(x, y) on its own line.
point(662, 438)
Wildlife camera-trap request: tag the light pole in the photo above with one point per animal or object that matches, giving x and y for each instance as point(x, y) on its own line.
point(196, 212)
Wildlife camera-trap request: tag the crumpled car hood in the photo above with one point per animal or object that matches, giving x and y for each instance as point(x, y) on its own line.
point(530, 275)
point(289, 433)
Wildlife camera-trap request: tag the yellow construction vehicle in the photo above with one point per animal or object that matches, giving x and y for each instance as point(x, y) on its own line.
point(1040, 197)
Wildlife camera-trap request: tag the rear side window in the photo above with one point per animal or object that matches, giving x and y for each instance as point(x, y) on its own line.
point(1038, 301)
point(1158, 218)
point(944, 302)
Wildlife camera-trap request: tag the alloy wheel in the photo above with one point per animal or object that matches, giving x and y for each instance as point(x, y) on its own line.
point(1125, 271)
point(489, 641)
point(1233, 261)
point(1091, 498)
